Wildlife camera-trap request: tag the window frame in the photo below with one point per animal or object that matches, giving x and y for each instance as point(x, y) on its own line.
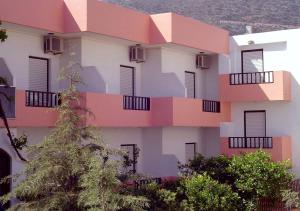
point(252, 50)
point(255, 111)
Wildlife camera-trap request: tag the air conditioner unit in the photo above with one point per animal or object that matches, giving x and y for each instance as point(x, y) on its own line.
point(202, 61)
point(53, 44)
point(137, 54)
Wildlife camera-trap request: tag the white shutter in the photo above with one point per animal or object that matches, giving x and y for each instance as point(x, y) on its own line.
point(38, 74)
point(190, 149)
point(126, 81)
point(255, 124)
point(190, 84)
point(252, 61)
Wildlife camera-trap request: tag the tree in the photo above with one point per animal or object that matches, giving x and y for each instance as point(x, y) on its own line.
point(71, 168)
point(3, 35)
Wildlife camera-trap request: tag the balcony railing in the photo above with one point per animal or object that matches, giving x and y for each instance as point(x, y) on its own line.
point(252, 78)
point(142, 182)
point(211, 106)
point(42, 99)
point(136, 103)
point(250, 142)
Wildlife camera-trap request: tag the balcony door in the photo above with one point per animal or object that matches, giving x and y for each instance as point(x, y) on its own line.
point(190, 84)
point(190, 151)
point(131, 158)
point(255, 123)
point(38, 74)
point(252, 61)
point(127, 80)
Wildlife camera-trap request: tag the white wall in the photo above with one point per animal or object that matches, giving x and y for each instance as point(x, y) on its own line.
point(115, 137)
point(283, 118)
point(103, 57)
point(16, 51)
point(163, 74)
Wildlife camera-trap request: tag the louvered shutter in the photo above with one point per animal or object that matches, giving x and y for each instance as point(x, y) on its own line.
point(255, 124)
point(190, 149)
point(252, 61)
point(38, 74)
point(127, 81)
point(190, 84)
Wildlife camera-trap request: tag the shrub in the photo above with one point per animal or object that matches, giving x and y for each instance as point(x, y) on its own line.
point(204, 193)
point(215, 167)
point(257, 176)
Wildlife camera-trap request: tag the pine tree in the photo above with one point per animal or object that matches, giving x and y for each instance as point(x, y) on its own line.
point(72, 168)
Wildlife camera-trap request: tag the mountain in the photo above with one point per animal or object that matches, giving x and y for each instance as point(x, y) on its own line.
point(233, 15)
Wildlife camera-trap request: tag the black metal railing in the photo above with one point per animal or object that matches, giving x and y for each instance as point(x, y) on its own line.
point(251, 78)
point(142, 182)
point(42, 99)
point(250, 142)
point(136, 103)
point(211, 106)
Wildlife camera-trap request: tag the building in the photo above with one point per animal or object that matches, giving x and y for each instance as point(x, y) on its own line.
point(186, 88)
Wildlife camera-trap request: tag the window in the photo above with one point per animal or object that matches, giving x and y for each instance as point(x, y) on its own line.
point(127, 81)
point(130, 160)
point(190, 151)
point(255, 123)
point(38, 74)
point(190, 84)
point(252, 61)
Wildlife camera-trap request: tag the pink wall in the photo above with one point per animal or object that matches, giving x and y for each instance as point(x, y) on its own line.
point(41, 14)
point(279, 90)
point(195, 34)
point(116, 21)
point(71, 16)
point(282, 148)
point(177, 29)
point(31, 116)
point(107, 111)
point(169, 111)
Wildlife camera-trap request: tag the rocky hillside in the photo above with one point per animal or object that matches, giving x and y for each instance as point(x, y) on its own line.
point(233, 15)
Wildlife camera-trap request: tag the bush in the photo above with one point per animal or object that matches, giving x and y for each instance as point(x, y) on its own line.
point(215, 167)
point(204, 193)
point(257, 176)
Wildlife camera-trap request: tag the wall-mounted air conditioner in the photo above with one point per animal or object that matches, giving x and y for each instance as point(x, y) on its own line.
point(137, 54)
point(53, 44)
point(202, 61)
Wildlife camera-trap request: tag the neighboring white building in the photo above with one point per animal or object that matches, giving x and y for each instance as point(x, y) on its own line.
point(196, 91)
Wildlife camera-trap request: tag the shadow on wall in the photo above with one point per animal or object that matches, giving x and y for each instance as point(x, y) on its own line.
point(5, 72)
point(157, 83)
point(92, 80)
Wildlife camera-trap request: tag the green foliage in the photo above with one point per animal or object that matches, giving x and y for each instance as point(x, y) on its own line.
point(70, 169)
point(257, 176)
point(3, 35)
point(204, 193)
point(215, 167)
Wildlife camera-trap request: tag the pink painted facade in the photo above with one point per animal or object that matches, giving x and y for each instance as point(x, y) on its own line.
point(25, 115)
point(281, 150)
point(98, 35)
point(279, 90)
point(107, 110)
point(71, 16)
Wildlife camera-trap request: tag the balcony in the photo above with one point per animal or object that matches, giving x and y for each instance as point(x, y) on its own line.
point(258, 86)
point(29, 110)
point(33, 109)
point(278, 147)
